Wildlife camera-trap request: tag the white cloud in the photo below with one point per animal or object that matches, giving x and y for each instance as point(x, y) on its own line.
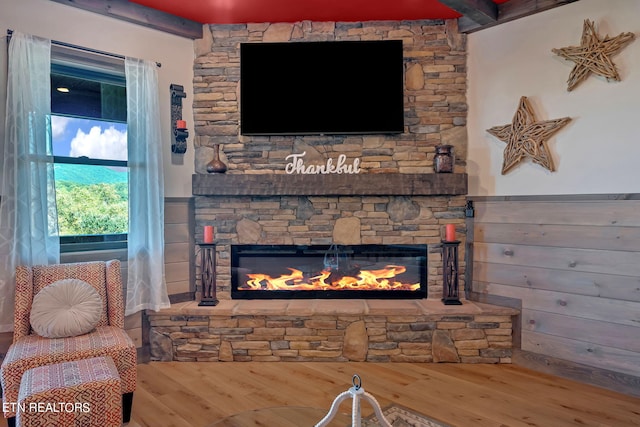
point(110, 144)
point(58, 126)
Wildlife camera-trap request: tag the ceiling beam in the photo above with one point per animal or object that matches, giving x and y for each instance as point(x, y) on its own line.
point(508, 11)
point(141, 15)
point(482, 12)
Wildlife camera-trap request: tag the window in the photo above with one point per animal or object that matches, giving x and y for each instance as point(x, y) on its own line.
point(89, 144)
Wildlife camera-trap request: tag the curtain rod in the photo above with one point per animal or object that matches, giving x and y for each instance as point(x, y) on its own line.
point(86, 49)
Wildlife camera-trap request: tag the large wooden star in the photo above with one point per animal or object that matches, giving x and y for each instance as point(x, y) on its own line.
point(592, 56)
point(526, 137)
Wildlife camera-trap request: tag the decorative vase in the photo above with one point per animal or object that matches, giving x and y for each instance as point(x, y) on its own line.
point(444, 159)
point(216, 165)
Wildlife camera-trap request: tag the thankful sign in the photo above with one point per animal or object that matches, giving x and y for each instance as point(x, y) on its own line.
point(340, 166)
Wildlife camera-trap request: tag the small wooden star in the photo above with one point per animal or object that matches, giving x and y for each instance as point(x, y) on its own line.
point(526, 137)
point(592, 56)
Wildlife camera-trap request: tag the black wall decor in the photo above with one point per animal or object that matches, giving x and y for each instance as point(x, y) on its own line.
point(179, 134)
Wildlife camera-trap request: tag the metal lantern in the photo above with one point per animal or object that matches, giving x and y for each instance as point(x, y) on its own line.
point(450, 292)
point(208, 274)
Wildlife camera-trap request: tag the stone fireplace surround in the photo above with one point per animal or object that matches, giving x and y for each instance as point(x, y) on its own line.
point(396, 199)
point(276, 209)
point(329, 330)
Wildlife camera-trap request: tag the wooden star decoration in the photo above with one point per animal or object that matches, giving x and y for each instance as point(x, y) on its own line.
point(593, 55)
point(527, 138)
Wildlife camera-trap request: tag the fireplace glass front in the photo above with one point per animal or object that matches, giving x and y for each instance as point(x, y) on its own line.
point(328, 271)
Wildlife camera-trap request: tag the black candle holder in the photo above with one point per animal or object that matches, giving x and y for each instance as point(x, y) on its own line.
point(208, 274)
point(178, 135)
point(450, 291)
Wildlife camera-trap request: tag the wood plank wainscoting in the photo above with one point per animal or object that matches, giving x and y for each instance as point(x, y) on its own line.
point(179, 241)
point(572, 264)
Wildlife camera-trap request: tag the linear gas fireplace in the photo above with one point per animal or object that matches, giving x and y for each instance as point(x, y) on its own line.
point(328, 271)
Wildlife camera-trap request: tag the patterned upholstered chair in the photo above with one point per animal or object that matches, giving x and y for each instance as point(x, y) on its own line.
point(109, 338)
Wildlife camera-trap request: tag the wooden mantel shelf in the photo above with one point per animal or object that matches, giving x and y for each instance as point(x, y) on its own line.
point(396, 184)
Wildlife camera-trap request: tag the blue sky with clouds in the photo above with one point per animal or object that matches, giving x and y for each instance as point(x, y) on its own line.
point(95, 139)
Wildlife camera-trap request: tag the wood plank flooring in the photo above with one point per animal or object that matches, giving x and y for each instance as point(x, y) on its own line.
point(185, 394)
point(179, 394)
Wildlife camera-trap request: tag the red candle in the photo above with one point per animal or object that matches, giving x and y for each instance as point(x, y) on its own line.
point(208, 234)
point(181, 124)
point(450, 233)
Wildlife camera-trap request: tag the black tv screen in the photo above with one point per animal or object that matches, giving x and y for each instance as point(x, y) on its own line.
point(342, 87)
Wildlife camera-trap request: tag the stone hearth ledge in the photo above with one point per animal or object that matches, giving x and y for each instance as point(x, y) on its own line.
point(313, 307)
point(333, 330)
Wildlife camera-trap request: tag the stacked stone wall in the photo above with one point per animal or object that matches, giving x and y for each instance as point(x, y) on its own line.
point(434, 98)
point(434, 55)
point(456, 338)
point(310, 220)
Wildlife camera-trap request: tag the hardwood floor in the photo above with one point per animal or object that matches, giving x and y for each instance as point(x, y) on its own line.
point(185, 394)
point(182, 394)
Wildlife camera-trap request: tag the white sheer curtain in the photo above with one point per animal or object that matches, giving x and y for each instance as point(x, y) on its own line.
point(28, 217)
point(146, 286)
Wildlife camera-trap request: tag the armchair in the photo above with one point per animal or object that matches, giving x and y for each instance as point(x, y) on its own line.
point(109, 338)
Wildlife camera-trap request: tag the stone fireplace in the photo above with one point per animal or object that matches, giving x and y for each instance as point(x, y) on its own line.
point(301, 211)
point(395, 199)
point(258, 210)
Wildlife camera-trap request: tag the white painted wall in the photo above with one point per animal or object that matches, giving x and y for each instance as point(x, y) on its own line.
point(599, 150)
point(72, 25)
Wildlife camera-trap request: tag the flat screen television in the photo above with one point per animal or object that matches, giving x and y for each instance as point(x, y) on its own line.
point(316, 88)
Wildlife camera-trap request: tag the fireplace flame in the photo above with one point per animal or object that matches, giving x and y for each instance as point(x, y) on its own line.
point(330, 280)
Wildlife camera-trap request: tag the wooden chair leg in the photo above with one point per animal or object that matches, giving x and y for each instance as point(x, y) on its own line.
point(127, 403)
